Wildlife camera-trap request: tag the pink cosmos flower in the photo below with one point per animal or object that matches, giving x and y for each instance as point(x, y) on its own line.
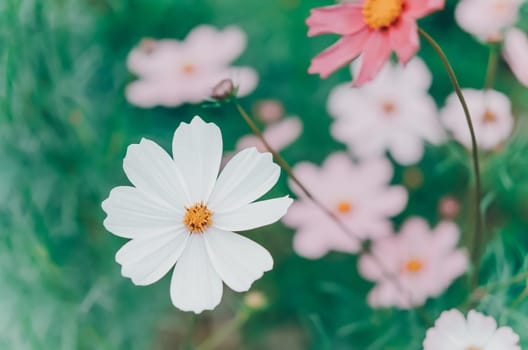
point(401, 114)
point(173, 72)
point(279, 135)
point(491, 114)
point(421, 261)
point(478, 332)
point(370, 28)
point(359, 194)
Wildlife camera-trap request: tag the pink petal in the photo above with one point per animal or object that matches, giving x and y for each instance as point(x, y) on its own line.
point(339, 54)
point(515, 52)
point(376, 53)
point(421, 8)
point(342, 19)
point(404, 39)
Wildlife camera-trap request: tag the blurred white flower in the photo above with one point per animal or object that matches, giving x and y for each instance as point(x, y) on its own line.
point(422, 263)
point(279, 135)
point(173, 72)
point(392, 113)
point(493, 21)
point(179, 214)
point(359, 194)
point(491, 115)
point(515, 52)
point(478, 332)
point(487, 19)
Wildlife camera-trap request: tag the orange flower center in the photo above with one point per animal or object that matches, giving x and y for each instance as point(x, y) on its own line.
point(188, 68)
point(413, 266)
point(380, 14)
point(344, 207)
point(489, 117)
point(198, 218)
point(389, 107)
point(473, 348)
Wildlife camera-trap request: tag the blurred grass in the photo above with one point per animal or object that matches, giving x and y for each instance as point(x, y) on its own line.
point(64, 128)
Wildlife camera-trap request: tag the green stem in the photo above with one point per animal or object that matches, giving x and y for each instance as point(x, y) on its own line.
point(491, 71)
point(476, 250)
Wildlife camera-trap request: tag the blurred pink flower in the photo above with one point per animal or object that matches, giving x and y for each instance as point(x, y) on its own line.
point(269, 111)
point(449, 207)
point(370, 28)
point(478, 332)
point(487, 19)
point(279, 135)
point(491, 115)
point(392, 113)
point(359, 194)
point(173, 72)
point(515, 52)
point(421, 261)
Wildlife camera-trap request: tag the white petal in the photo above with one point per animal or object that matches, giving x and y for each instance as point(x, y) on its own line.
point(197, 152)
point(239, 261)
point(247, 176)
point(147, 259)
point(195, 285)
point(504, 339)
point(253, 215)
point(153, 172)
point(130, 213)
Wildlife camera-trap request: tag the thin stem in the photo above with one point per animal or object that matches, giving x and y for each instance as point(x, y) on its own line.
point(477, 238)
point(287, 168)
point(491, 71)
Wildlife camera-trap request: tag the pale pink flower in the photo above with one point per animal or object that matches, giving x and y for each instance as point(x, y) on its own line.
point(394, 113)
point(479, 332)
point(449, 207)
point(491, 115)
point(359, 194)
point(421, 261)
point(279, 135)
point(173, 72)
point(269, 111)
point(515, 52)
point(370, 28)
point(487, 19)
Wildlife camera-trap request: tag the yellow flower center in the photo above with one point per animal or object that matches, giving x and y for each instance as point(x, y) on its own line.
point(379, 14)
point(344, 207)
point(413, 266)
point(198, 218)
point(473, 348)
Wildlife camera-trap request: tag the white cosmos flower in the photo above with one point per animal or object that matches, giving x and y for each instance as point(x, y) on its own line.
point(179, 214)
point(479, 332)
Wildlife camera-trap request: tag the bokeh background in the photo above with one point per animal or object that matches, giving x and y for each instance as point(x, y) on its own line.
point(64, 128)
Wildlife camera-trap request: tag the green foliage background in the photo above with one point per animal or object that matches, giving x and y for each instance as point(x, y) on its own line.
point(64, 129)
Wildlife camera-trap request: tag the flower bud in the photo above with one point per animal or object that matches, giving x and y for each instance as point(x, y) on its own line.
point(223, 90)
